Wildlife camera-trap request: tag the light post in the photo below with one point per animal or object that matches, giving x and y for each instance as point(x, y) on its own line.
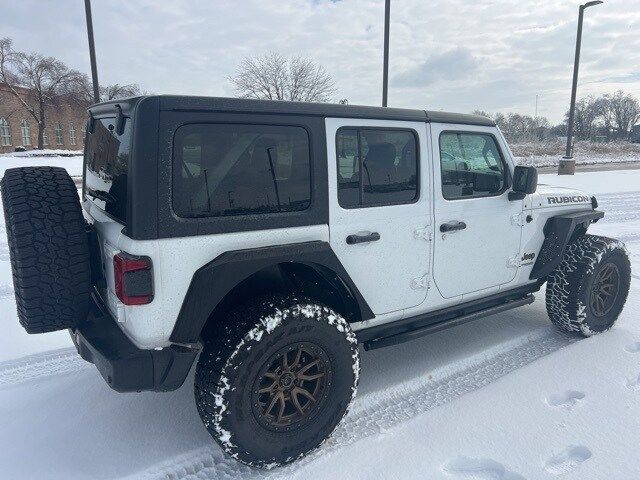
point(567, 165)
point(92, 52)
point(385, 61)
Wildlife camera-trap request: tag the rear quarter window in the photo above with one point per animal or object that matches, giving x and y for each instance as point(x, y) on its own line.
point(240, 169)
point(107, 157)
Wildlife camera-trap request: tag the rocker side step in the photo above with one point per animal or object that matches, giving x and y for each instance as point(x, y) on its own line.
point(431, 323)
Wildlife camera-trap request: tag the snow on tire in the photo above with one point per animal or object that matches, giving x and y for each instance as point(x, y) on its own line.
point(48, 247)
point(278, 380)
point(587, 290)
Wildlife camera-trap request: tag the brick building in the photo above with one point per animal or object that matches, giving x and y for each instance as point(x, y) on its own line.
point(65, 125)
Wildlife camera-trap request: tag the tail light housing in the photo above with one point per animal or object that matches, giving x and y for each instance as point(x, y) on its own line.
point(133, 276)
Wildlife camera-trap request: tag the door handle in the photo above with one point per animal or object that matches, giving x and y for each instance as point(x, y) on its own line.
point(452, 226)
point(369, 237)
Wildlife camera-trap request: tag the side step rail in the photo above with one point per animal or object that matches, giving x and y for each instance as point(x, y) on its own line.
point(420, 331)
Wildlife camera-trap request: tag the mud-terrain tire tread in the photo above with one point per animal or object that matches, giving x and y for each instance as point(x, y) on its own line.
point(48, 247)
point(245, 327)
point(566, 294)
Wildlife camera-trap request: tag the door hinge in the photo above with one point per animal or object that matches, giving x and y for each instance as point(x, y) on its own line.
point(514, 262)
point(420, 283)
point(519, 219)
point(423, 234)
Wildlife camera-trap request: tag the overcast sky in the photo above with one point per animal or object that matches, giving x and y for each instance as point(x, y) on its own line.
point(457, 55)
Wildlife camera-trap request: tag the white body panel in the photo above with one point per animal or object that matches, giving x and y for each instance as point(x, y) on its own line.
point(388, 271)
point(175, 260)
point(475, 259)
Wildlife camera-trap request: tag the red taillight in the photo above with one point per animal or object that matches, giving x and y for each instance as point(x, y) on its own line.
point(133, 279)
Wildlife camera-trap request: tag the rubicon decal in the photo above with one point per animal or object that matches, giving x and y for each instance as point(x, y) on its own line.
point(572, 199)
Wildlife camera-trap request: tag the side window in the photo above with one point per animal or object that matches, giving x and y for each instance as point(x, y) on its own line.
point(233, 169)
point(376, 167)
point(471, 165)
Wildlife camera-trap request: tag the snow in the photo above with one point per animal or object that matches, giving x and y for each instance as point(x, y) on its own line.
point(69, 159)
point(506, 397)
point(543, 154)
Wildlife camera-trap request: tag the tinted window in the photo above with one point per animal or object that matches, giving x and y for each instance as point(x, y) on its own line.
point(223, 170)
point(471, 165)
point(376, 167)
point(107, 166)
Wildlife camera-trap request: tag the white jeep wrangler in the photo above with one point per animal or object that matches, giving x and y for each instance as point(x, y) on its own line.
point(267, 239)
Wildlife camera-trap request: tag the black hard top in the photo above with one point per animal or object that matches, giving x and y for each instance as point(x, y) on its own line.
point(222, 104)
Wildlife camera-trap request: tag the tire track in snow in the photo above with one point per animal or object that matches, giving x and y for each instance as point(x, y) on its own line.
point(372, 416)
point(619, 206)
point(48, 364)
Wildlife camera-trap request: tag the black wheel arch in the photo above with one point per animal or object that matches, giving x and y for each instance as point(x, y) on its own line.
point(559, 231)
point(310, 268)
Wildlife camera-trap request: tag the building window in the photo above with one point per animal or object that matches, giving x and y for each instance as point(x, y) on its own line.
point(72, 135)
point(45, 137)
point(26, 132)
point(5, 132)
point(84, 133)
point(376, 166)
point(59, 134)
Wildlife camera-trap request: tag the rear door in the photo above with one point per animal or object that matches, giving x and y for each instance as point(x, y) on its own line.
point(379, 208)
point(477, 237)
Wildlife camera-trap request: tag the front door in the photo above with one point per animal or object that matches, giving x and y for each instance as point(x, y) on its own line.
point(476, 238)
point(379, 208)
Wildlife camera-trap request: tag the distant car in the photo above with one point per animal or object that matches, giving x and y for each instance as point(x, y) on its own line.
point(268, 239)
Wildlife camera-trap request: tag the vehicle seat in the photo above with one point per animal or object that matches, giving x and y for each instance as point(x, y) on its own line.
point(379, 164)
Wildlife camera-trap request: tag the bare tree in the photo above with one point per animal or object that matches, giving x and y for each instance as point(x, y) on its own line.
point(112, 92)
point(587, 114)
point(48, 81)
point(519, 128)
point(83, 94)
point(275, 77)
point(624, 112)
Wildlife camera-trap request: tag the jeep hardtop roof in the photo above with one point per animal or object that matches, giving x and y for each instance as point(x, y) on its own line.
point(221, 104)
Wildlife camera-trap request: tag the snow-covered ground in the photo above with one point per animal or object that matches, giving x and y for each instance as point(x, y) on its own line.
point(69, 159)
point(503, 398)
point(544, 154)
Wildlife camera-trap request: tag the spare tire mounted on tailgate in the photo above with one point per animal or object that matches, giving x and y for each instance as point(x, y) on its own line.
point(48, 247)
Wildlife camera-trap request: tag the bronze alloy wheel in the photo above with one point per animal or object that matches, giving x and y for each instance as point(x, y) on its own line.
point(605, 289)
point(291, 386)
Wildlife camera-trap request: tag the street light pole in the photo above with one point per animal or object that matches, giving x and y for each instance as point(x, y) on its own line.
point(385, 61)
point(92, 51)
point(567, 165)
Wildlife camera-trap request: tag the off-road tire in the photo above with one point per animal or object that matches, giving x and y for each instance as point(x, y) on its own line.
point(570, 285)
point(229, 370)
point(48, 248)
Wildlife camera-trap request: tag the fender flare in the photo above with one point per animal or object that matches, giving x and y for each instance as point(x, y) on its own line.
point(558, 232)
point(213, 281)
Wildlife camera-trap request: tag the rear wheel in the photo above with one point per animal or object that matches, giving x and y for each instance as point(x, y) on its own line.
point(588, 290)
point(48, 247)
point(280, 381)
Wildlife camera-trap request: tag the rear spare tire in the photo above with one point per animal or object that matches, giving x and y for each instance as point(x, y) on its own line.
point(48, 247)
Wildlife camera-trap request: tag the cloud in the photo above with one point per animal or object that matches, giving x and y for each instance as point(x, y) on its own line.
point(631, 77)
point(456, 64)
point(447, 54)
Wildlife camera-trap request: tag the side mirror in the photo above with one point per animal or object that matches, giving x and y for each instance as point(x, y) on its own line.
point(525, 181)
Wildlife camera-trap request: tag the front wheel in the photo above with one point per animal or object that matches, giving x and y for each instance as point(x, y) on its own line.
point(278, 383)
point(587, 290)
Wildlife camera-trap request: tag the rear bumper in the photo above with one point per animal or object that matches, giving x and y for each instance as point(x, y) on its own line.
point(125, 367)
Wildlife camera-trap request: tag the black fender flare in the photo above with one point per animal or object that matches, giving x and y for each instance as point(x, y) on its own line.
point(558, 231)
point(213, 281)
